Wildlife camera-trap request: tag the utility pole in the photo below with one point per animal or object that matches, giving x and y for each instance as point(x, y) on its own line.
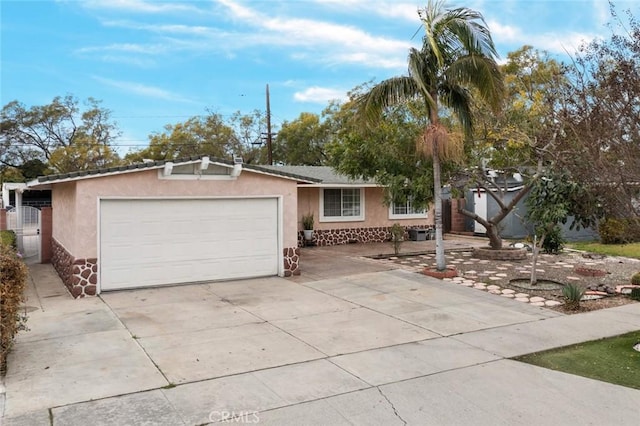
point(269, 149)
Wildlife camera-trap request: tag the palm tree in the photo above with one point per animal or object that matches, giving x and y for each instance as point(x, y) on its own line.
point(457, 55)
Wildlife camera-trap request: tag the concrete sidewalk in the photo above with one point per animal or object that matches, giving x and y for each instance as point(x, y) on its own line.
point(374, 347)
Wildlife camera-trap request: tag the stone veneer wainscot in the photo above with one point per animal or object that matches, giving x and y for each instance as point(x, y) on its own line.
point(80, 276)
point(331, 237)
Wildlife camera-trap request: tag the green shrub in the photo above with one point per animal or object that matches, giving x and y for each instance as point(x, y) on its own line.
point(397, 236)
point(572, 294)
point(619, 231)
point(8, 238)
point(635, 294)
point(554, 241)
point(635, 279)
point(307, 222)
point(12, 284)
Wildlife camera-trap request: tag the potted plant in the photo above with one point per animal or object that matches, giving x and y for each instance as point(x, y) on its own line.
point(307, 226)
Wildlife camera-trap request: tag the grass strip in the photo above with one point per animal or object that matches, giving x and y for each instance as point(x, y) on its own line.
point(611, 360)
point(624, 250)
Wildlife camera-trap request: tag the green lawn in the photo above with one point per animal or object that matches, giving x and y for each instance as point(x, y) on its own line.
point(611, 360)
point(626, 250)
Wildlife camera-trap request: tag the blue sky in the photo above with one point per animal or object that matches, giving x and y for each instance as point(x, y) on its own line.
point(153, 63)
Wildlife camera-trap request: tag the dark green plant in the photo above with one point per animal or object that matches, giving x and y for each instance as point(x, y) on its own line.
point(307, 221)
point(397, 236)
point(613, 231)
point(635, 279)
point(554, 241)
point(635, 293)
point(572, 294)
point(8, 238)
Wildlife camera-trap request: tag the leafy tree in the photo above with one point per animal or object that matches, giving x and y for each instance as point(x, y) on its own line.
point(30, 170)
point(552, 199)
point(457, 53)
point(62, 126)
point(601, 121)
point(384, 151)
point(206, 135)
point(33, 168)
point(302, 141)
point(519, 142)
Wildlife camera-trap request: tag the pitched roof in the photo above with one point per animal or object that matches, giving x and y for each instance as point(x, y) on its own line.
point(85, 174)
point(323, 174)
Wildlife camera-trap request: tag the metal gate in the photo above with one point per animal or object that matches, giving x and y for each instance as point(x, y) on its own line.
point(446, 215)
point(25, 222)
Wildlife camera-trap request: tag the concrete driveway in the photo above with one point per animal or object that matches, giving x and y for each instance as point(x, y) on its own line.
point(366, 347)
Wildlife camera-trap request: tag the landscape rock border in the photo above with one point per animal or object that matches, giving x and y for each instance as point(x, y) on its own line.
point(589, 272)
point(500, 254)
point(447, 273)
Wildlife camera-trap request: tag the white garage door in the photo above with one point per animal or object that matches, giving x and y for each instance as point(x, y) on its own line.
point(154, 242)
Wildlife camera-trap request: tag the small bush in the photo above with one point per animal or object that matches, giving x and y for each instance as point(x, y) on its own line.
point(397, 236)
point(307, 222)
point(13, 279)
point(554, 241)
point(635, 294)
point(635, 279)
point(619, 231)
point(572, 294)
point(8, 238)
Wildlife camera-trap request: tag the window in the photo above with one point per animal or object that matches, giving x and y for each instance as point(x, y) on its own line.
point(341, 204)
point(193, 172)
point(406, 210)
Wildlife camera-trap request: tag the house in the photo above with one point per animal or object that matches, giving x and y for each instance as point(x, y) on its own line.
point(515, 225)
point(33, 198)
point(347, 210)
point(201, 219)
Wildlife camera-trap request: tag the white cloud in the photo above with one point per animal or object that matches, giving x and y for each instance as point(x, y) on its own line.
point(330, 42)
point(320, 95)
point(507, 33)
point(140, 6)
point(136, 61)
point(566, 43)
point(196, 30)
point(142, 90)
point(557, 42)
point(146, 49)
point(390, 9)
point(601, 11)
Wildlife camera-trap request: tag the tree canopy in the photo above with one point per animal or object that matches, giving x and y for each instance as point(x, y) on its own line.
point(457, 54)
point(600, 118)
point(63, 134)
point(210, 134)
point(302, 141)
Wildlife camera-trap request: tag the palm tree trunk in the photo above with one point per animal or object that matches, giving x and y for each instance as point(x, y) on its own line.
point(437, 199)
point(437, 189)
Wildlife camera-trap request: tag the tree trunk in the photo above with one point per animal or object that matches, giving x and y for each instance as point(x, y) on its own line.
point(534, 261)
point(437, 199)
point(441, 264)
point(495, 241)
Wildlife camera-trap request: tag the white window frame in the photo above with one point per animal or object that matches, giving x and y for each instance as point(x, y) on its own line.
point(392, 215)
point(324, 218)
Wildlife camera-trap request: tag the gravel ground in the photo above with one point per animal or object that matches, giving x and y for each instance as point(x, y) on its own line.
point(562, 269)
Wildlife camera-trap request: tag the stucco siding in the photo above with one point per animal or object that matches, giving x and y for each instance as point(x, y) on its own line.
point(63, 201)
point(147, 184)
point(376, 212)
